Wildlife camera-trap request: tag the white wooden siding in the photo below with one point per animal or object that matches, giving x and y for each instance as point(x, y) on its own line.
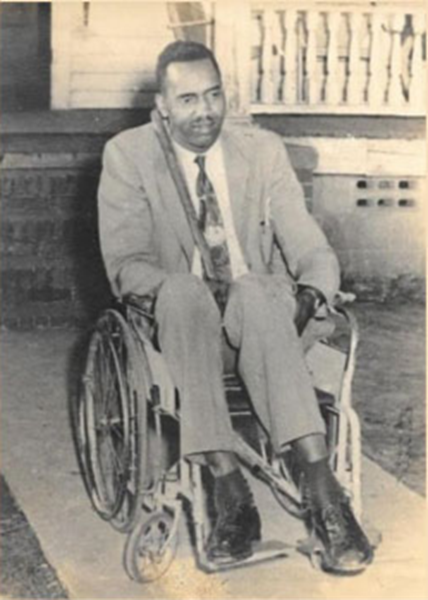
point(104, 55)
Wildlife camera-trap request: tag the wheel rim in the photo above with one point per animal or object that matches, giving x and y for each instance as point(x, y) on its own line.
point(153, 548)
point(111, 416)
point(108, 431)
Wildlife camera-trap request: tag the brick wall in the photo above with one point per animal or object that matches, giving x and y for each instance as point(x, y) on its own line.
point(51, 269)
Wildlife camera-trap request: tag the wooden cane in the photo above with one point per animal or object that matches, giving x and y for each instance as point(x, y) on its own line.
point(183, 192)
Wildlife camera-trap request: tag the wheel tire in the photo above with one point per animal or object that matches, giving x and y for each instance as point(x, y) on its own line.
point(112, 421)
point(151, 547)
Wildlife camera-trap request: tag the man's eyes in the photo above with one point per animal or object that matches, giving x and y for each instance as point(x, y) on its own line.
point(188, 99)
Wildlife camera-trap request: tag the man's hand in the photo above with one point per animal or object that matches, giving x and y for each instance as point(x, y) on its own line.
point(308, 300)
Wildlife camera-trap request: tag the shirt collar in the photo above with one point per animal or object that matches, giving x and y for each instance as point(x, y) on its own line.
point(188, 157)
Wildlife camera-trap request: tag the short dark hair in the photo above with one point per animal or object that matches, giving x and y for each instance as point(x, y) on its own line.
point(182, 51)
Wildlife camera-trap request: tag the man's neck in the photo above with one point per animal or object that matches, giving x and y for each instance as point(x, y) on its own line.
point(183, 151)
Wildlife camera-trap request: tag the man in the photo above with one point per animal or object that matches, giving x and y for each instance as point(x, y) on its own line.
point(252, 212)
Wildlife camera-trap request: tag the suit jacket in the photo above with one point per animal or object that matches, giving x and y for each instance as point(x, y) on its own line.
point(143, 229)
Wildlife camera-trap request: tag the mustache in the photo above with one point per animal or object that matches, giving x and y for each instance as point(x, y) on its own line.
point(204, 121)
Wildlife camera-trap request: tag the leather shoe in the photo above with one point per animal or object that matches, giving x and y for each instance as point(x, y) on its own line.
point(233, 534)
point(345, 547)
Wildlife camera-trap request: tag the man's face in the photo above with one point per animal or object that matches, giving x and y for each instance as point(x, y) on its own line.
point(193, 100)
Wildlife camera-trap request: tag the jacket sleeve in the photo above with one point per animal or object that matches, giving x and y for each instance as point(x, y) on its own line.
point(310, 259)
point(126, 226)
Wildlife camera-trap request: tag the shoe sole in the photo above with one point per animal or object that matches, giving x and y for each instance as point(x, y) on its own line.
point(231, 558)
point(345, 571)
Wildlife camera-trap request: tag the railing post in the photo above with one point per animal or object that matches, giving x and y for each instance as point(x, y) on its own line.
point(312, 79)
point(333, 96)
point(232, 49)
point(290, 89)
point(354, 94)
point(395, 90)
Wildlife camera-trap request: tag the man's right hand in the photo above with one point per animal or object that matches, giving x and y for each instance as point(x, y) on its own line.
point(308, 300)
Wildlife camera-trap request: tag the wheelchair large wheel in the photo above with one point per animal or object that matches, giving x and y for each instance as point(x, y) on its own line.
point(112, 421)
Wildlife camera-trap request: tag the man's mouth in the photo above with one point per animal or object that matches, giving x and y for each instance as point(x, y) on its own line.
point(206, 127)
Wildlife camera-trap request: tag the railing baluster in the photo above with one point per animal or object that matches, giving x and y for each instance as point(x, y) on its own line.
point(355, 82)
point(377, 68)
point(290, 91)
point(312, 80)
point(395, 90)
point(256, 57)
point(417, 87)
point(281, 57)
point(277, 61)
point(332, 89)
point(268, 65)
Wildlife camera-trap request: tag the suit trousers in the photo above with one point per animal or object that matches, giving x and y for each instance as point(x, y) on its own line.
point(258, 322)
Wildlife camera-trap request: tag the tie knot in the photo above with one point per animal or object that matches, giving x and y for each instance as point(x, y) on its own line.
point(200, 161)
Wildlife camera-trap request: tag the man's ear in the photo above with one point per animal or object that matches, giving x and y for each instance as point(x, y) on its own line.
point(160, 105)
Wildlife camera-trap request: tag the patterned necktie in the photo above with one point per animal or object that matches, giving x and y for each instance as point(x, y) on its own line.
point(212, 226)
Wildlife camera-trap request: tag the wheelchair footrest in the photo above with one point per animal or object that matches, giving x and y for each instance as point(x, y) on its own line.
point(262, 552)
point(313, 548)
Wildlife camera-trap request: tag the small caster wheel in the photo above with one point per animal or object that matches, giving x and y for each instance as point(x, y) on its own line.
point(151, 548)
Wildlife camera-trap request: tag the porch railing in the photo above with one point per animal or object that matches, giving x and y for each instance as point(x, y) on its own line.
point(339, 57)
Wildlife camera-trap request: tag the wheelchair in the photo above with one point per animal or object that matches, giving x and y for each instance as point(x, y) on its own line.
point(127, 421)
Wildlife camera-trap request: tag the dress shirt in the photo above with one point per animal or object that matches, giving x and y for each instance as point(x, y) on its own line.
point(216, 171)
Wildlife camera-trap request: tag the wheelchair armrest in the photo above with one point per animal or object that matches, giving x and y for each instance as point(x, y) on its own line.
point(142, 304)
point(139, 315)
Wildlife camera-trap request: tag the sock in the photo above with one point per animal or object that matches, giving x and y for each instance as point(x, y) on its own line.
point(232, 489)
point(322, 485)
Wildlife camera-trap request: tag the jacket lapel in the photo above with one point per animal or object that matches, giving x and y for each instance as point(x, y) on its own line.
point(172, 204)
point(238, 170)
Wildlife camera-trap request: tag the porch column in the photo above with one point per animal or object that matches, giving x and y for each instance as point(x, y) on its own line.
point(66, 19)
point(232, 48)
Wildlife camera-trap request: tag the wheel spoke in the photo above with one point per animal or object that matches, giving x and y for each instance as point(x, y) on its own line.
point(151, 549)
point(110, 423)
point(118, 462)
point(109, 379)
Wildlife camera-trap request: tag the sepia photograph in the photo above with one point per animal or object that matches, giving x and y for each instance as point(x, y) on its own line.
point(213, 287)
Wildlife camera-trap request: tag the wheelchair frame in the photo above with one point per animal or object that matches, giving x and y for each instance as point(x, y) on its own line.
point(127, 398)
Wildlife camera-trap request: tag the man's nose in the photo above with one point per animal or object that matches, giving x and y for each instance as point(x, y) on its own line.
point(204, 107)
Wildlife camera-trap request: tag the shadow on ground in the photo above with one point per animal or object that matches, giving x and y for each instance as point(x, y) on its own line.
point(25, 573)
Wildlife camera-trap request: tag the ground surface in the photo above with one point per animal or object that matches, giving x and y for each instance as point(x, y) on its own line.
point(389, 388)
point(388, 395)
